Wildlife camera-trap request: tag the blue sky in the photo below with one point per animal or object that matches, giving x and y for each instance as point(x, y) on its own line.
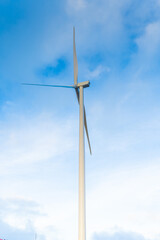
point(118, 49)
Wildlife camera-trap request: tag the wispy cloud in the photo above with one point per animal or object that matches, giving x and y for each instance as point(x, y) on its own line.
point(127, 198)
point(33, 139)
point(8, 232)
point(77, 4)
point(97, 72)
point(18, 218)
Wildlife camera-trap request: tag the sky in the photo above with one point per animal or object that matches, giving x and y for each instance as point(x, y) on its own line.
point(118, 50)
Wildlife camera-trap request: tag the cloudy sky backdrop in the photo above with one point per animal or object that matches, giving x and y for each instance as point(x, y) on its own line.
point(118, 49)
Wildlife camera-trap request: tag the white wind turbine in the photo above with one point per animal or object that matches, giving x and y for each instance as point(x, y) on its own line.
point(79, 88)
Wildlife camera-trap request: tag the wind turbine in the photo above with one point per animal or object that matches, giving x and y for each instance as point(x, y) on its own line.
point(79, 88)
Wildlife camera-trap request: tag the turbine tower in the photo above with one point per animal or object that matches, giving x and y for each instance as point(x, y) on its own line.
point(79, 88)
point(35, 236)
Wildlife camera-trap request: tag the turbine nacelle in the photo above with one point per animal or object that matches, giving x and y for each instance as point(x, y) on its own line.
point(83, 84)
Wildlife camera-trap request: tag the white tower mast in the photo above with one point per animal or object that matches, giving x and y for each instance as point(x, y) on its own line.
point(82, 210)
point(35, 236)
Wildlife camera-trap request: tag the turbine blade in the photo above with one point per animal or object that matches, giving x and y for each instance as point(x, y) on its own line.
point(85, 122)
point(75, 59)
point(46, 85)
point(77, 94)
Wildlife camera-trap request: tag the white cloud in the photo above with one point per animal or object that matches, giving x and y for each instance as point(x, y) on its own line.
point(19, 213)
point(97, 72)
point(149, 43)
point(34, 139)
point(31, 148)
point(77, 4)
point(127, 198)
point(9, 232)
